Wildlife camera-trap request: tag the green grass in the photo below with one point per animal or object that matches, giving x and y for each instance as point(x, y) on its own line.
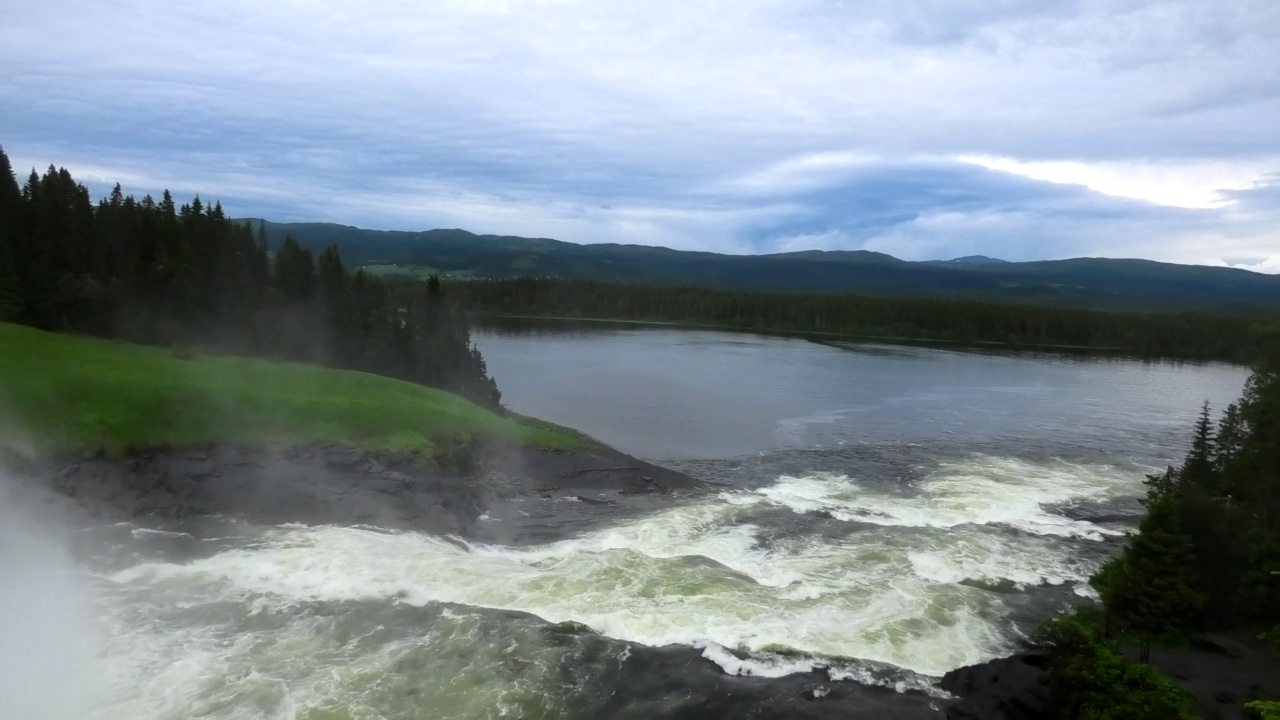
point(75, 394)
point(419, 272)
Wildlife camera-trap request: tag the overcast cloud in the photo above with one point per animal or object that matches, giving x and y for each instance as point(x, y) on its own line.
point(1022, 129)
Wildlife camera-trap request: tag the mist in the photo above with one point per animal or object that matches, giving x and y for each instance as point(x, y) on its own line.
point(47, 637)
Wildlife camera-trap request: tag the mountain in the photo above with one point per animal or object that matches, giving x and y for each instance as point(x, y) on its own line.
point(977, 260)
point(1080, 282)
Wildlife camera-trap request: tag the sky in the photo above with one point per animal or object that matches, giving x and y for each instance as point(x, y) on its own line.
point(926, 129)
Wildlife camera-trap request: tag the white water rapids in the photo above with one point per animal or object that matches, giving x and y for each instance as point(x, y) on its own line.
point(815, 570)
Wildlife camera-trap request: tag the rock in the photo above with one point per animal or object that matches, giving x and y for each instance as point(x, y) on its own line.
point(345, 457)
point(594, 501)
point(1220, 645)
point(1013, 688)
point(569, 627)
point(817, 692)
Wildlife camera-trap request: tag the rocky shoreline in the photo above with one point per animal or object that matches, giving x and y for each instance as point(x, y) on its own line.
point(187, 488)
point(335, 484)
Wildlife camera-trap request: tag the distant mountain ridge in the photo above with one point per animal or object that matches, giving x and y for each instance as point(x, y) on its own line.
point(1079, 282)
point(977, 260)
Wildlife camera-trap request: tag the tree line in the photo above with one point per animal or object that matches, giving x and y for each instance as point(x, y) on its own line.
point(187, 276)
point(959, 321)
point(1206, 557)
point(1207, 554)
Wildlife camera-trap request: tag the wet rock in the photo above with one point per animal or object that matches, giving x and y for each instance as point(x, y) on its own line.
point(1004, 586)
point(1220, 672)
point(677, 682)
point(593, 501)
point(1220, 645)
point(570, 627)
point(1013, 688)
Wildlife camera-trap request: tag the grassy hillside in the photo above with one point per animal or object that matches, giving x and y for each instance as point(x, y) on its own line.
point(74, 393)
point(1097, 283)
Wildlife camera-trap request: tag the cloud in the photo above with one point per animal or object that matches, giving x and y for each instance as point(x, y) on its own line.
point(1014, 127)
point(1203, 184)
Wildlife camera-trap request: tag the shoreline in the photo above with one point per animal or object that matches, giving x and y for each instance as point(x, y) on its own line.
point(834, 339)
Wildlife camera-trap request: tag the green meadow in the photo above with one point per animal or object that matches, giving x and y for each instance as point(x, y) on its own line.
point(68, 393)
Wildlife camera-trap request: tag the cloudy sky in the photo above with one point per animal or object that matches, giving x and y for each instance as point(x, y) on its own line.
point(1023, 129)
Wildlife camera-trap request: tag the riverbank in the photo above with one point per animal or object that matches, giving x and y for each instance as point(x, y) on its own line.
point(346, 485)
point(1220, 673)
point(964, 322)
point(831, 338)
point(67, 394)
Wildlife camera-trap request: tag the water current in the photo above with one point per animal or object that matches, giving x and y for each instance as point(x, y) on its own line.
point(886, 513)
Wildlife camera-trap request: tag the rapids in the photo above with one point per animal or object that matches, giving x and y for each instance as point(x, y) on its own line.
point(883, 516)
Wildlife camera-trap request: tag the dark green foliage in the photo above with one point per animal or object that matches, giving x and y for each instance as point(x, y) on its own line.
point(1263, 709)
point(294, 271)
point(963, 322)
point(1091, 680)
point(189, 277)
point(1098, 283)
point(1099, 683)
point(1151, 588)
point(1207, 555)
point(1272, 637)
point(1082, 627)
point(11, 307)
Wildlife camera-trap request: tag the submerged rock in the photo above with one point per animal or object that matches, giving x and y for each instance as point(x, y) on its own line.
point(569, 627)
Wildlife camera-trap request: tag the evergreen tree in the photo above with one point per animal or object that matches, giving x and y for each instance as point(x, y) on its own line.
point(338, 311)
point(1151, 587)
point(1199, 468)
point(1230, 440)
point(1209, 545)
point(1229, 338)
point(294, 270)
point(11, 307)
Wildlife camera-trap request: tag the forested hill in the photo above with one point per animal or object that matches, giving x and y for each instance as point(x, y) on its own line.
point(1083, 282)
point(155, 272)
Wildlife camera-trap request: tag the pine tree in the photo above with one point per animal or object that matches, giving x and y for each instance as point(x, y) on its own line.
point(11, 307)
point(1153, 589)
point(1199, 469)
point(334, 291)
point(294, 270)
point(1231, 436)
point(10, 192)
point(152, 272)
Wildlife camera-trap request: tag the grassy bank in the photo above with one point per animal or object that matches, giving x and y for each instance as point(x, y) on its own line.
point(73, 394)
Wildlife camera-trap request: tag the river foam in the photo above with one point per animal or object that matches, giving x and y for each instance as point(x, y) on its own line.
point(921, 584)
point(982, 490)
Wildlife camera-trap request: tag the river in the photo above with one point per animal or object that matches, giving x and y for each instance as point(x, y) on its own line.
point(886, 512)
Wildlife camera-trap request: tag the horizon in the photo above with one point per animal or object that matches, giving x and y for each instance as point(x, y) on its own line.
point(1126, 128)
point(741, 254)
